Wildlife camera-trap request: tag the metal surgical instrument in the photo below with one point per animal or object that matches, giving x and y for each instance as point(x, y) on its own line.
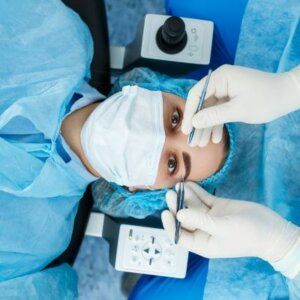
point(180, 203)
point(200, 104)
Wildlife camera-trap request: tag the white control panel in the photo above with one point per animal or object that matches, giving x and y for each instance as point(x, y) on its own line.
point(149, 251)
point(197, 49)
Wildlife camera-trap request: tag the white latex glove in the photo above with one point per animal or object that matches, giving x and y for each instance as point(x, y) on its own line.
point(219, 228)
point(240, 95)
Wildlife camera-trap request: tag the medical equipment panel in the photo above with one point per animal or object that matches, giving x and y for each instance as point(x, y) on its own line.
point(149, 251)
point(196, 50)
point(139, 248)
point(168, 44)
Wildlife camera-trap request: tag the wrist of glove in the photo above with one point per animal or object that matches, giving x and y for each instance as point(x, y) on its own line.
point(290, 82)
point(295, 75)
point(222, 228)
point(289, 265)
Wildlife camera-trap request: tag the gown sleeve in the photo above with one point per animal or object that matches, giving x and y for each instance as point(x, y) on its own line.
point(289, 266)
point(54, 283)
point(294, 287)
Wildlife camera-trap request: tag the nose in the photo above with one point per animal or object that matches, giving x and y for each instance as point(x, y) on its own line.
point(180, 141)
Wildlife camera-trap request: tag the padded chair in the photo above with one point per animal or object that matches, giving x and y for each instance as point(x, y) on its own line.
point(93, 13)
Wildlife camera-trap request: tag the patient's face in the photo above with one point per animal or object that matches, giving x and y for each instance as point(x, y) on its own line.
point(178, 158)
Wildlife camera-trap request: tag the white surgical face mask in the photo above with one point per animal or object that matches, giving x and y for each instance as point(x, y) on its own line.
point(124, 136)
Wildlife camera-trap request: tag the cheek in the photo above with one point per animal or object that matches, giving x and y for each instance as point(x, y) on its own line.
point(205, 161)
point(164, 181)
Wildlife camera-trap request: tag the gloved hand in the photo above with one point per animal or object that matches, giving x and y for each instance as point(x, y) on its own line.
point(219, 228)
point(240, 95)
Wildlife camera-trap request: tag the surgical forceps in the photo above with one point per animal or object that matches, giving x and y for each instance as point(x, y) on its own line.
point(180, 203)
point(200, 104)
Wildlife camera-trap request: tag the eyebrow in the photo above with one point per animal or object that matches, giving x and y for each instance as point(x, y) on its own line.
point(187, 164)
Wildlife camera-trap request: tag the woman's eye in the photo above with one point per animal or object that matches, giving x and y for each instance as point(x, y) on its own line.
point(175, 119)
point(172, 164)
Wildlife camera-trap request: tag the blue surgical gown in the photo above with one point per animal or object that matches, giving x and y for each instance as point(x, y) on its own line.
point(45, 55)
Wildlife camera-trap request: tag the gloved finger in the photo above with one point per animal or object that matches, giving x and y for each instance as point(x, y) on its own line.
point(215, 115)
point(196, 137)
point(196, 241)
point(205, 137)
point(192, 218)
point(217, 87)
point(201, 193)
point(192, 103)
point(217, 134)
point(192, 201)
point(171, 199)
point(168, 221)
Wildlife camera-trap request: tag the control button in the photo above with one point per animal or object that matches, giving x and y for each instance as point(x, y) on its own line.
point(151, 251)
point(195, 37)
point(152, 239)
point(147, 252)
point(190, 54)
point(135, 249)
point(150, 261)
point(156, 252)
point(171, 37)
point(193, 48)
point(134, 259)
point(130, 234)
point(169, 252)
point(168, 263)
point(193, 30)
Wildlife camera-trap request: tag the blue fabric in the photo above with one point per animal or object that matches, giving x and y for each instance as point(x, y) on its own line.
point(151, 287)
point(118, 201)
point(227, 17)
point(294, 288)
point(266, 45)
point(266, 166)
point(55, 283)
point(45, 54)
point(269, 171)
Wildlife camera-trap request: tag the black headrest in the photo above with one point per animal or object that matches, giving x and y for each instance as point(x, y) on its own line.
point(93, 13)
point(80, 224)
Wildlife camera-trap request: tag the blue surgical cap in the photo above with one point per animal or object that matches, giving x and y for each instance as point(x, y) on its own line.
point(116, 200)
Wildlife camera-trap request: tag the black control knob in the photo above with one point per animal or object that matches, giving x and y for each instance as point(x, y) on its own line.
point(171, 37)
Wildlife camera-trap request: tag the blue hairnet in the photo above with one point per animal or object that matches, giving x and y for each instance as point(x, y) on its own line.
point(118, 201)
